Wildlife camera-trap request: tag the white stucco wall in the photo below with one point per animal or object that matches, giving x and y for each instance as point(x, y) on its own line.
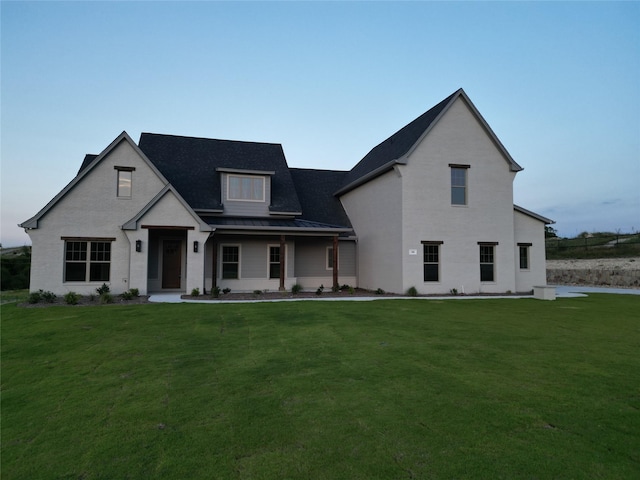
point(530, 230)
point(92, 209)
point(375, 211)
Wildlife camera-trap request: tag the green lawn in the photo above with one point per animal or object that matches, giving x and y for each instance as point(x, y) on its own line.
point(391, 389)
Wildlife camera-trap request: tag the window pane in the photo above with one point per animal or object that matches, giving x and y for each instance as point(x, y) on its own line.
point(458, 196)
point(274, 270)
point(100, 251)
point(486, 272)
point(430, 272)
point(257, 189)
point(99, 272)
point(76, 251)
point(330, 258)
point(230, 254)
point(458, 186)
point(229, 270)
point(75, 272)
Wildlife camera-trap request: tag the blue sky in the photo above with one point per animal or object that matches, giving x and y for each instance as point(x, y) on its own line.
point(558, 82)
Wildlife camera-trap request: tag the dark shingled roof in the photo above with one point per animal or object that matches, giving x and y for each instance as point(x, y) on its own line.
point(316, 190)
point(395, 146)
point(88, 158)
point(190, 164)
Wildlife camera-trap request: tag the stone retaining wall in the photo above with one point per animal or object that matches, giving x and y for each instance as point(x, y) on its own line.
point(595, 277)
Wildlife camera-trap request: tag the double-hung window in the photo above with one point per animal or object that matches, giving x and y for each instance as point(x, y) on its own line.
point(87, 260)
point(274, 261)
point(230, 261)
point(459, 184)
point(487, 262)
point(431, 260)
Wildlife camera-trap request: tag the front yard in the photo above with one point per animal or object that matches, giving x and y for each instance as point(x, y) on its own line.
point(324, 390)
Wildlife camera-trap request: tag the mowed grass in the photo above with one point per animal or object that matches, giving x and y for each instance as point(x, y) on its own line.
point(391, 389)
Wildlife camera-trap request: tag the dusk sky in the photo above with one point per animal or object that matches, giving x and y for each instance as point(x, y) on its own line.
point(559, 83)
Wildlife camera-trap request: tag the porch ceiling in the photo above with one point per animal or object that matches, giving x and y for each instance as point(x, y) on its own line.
point(274, 225)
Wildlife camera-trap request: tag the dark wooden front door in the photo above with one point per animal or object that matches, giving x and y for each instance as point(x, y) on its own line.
point(171, 263)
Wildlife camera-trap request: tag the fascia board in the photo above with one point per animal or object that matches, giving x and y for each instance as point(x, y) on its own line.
point(370, 176)
point(133, 223)
point(545, 220)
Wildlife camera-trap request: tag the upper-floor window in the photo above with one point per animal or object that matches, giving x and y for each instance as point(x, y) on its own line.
point(247, 188)
point(459, 184)
point(125, 177)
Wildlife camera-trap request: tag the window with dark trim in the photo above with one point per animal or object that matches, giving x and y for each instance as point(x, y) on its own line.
point(87, 260)
point(459, 184)
point(230, 261)
point(124, 181)
point(487, 262)
point(523, 254)
point(274, 261)
point(431, 261)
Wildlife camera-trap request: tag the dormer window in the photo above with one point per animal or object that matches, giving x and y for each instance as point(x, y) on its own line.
point(248, 188)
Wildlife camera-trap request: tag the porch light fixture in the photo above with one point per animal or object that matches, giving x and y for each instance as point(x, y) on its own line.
point(138, 245)
point(195, 246)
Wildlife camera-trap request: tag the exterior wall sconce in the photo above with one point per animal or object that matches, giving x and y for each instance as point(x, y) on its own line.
point(138, 245)
point(195, 246)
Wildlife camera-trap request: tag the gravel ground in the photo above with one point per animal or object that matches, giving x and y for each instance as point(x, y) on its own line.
point(630, 263)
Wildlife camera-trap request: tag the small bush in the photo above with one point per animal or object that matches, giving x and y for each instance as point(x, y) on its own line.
point(71, 298)
point(319, 290)
point(48, 297)
point(257, 292)
point(335, 288)
point(352, 290)
point(34, 297)
point(127, 295)
point(195, 292)
point(134, 292)
point(215, 292)
point(226, 290)
point(453, 291)
point(103, 289)
point(297, 288)
point(412, 292)
point(105, 298)
point(345, 287)
point(380, 291)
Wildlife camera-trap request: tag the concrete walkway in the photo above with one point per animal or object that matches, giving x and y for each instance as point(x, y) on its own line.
point(562, 291)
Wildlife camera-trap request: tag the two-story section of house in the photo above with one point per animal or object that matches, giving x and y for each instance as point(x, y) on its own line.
point(431, 207)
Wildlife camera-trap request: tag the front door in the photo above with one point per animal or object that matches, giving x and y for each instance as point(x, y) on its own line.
point(171, 263)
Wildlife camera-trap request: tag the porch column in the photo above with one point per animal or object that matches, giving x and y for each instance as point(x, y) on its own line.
point(335, 262)
point(283, 267)
point(214, 269)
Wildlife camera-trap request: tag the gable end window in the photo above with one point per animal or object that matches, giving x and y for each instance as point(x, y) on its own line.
point(246, 188)
point(87, 260)
point(124, 181)
point(431, 261)
point(459, 184)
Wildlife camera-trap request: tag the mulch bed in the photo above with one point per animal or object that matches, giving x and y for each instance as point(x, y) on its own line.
point(87, 301)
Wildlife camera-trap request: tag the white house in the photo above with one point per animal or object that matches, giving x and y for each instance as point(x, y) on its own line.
point(431, 207)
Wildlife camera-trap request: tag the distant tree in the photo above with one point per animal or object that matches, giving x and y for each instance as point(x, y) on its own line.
point(550, 232)
point(15, 270)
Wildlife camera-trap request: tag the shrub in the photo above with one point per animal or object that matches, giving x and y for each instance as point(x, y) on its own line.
point(257, 292)
point(454, 291)
point(195, 292)
point(226, 290)
point(352, 290)
point(215, 292)
point(127, 295)
point(319, 290)
point(380, 291)
point(134, 292)
point(48, 297)
point(345, 287)
point(412, 292)
point(71, 298)
point(34, 297)
point(297, 288)
point(103, 289)
point(105, 298)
